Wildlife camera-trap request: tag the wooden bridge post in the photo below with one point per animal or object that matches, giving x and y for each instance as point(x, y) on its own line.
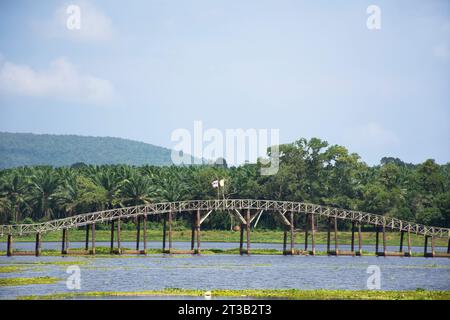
point(448, 246)
point(425, 251)
point(93, 239)
point(313, 236)
point(193, 221)
point(138, 232)
point(111, 250)
point(377, 239)
point(247, 228)
point(384, 240)
point(197, 226)
point(292, 233)
point(306, 231)
point(401, 240)
point(359, 240)
point(9, 246)
point(38, 245)
point(329, 235)
point(285, 241)
point(86, 245)
point(409, 241)
point(145, 234)
point(67, 241)
point(433, 252)
point(164, 233)
point(336, 240)
point(63, 241)
point(352, 247)
point(170, 231)
point(118, 237)
point(241, 240)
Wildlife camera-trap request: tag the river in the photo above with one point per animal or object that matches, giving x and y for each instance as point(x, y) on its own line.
point(206, 272)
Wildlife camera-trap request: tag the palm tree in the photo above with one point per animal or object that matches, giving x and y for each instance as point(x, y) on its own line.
point(109, 182)
point(171, 186)
point(137, 189)
point(69, 195)
point(45, 185)
point(14, 190)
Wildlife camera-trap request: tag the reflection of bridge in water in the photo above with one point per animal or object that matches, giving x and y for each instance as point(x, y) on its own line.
point(246, 212)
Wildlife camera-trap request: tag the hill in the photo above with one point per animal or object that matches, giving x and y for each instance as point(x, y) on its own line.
point(27, 149)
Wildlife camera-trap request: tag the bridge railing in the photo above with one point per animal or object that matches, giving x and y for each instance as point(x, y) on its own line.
point(226, 204)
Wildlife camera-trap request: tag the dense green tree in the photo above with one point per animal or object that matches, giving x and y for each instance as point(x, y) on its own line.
point(309, 171)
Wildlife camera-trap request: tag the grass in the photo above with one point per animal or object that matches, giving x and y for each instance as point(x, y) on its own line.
point(27, 281)
point(257, 236)
point(293, 294)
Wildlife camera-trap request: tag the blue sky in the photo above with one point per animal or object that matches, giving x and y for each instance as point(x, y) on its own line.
point(141, 69)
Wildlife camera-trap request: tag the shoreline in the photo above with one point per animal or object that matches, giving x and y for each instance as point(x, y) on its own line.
point(289, 294)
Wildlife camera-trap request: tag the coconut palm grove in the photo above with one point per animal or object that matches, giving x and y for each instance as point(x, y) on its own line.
point(310, 171)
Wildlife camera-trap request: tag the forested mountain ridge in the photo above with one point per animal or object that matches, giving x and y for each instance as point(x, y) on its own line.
point(27, 149)
point(310, 171)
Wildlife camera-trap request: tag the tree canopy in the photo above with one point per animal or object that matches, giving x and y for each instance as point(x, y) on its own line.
point(310, 170)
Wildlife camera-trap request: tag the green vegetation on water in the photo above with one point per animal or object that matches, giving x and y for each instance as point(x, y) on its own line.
point(10, 269)
point(27, 281)
point(267, 293)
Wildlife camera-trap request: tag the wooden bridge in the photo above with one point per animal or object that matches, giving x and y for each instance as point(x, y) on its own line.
point(246, 211)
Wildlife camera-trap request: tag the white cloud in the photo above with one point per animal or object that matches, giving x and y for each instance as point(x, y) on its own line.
point(94, 24)
point(61, 80)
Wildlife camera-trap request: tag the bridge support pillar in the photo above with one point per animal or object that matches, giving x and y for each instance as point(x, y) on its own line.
point(285, 241)
point(433, 252)
point(86, 245)
point(241, 240)
point(359, 240)
point(352, 247)
point(145, 234)
point(306, 231)
point(336, 239)
point(65, 241)
point(384, 240)
point(111, 248)
point(425, 249)
point(9, 246)
point(313, 236)
point(118, 237)
point(247, 228)
point(197, 227)
point(448, 246)
point(292, 233)
point(409, 242)
point(170, 231)
point(377, 239)
point(329, 236)
point(164, 233)
point(38, 245)
point(138, 232)
point(401, 240)
point(193, 222)
point(93, 238)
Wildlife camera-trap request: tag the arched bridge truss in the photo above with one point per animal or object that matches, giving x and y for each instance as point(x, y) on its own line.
point(246, 211)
